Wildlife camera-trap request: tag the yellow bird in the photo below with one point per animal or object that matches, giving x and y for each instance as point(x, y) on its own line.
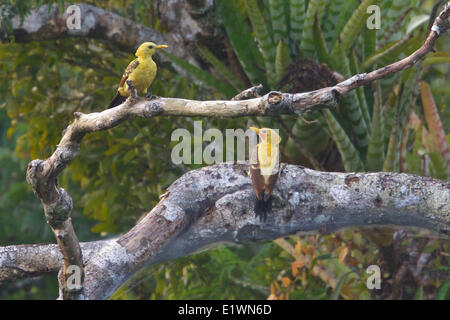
point(140, 71)
point(264, 169)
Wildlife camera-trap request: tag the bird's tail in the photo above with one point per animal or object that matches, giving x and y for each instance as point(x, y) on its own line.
point(263, 207)
point(118, 99)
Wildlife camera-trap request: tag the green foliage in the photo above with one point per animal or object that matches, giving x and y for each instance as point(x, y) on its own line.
point(353, 27)
point(350, 156)
point(375, 151)
point(314, 11)
point(263, 37)
point(240, 38)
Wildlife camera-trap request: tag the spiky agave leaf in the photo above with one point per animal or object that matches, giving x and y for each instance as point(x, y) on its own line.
point(392, 51)
point(353, 27)
point(330, 21)
point(279, 21)
point(319, 43)
point(221, 68)
point(241, 40)
point(315, 7)
point(263, 37)
point(354, 67)
point(375, 150)
point(350, 103)
point(297, 11)
point(391, 162)
point(203, 76)
point(350, 156)
point(282, 59)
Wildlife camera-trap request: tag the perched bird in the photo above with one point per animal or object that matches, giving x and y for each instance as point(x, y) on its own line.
point(265, 169)
point(140, 71)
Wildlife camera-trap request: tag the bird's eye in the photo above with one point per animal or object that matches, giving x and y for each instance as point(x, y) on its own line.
point(150, 47)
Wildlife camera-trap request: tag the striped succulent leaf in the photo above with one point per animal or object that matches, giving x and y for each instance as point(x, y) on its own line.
point(315, 7)
point(319, 43)
point(241, 39)
point(350, 103)
point(392, 160)
point(333, 11)
point(375, 151)
point(282, 59)
point(221, 68)
point(393, 17)
point(369, 42)
point(204, 76)
point(297, 11)
point(263, 37)
point(279, 21)
point(353, 26)
point(392, 51)
point(350, 156)
point(354, 67)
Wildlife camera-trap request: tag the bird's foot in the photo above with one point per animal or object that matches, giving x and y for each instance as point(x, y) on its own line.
point(132, 89)
point(150, 96)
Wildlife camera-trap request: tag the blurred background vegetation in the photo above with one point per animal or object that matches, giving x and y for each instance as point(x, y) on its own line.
point(287, 45)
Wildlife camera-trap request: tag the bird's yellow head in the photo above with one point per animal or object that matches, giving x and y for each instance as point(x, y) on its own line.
point(147, 49)
point(267, 135)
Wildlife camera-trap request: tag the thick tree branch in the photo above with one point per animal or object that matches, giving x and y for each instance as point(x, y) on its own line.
point(214, 204)
point(44, 24)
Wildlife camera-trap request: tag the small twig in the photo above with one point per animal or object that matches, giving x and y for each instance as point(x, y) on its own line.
point(253, 92)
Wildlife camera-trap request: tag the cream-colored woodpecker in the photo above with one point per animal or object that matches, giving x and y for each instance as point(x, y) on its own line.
point(141, 71)
point(265, 169)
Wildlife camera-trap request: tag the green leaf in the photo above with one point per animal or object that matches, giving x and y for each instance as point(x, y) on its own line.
point(390, 52)
point(349, 155)
point(392, 160)
point(336, 291)
point(315, 7)
point(203, 76)
point(375, 150)
point(354, 66)
point(241, 39)
point(297, 10)
point(353, 27)
point(278, 18)
point(264, 39)
point(350, 103)
point(391, 15)
point(443, 291)
point(438, 57)
point(416, 22)
point(221, 68)
point(330, 22)
point(319, 43)
point(282, 59)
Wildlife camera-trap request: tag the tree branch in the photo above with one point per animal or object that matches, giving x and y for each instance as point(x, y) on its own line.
point(44, 24)
point(212, 205)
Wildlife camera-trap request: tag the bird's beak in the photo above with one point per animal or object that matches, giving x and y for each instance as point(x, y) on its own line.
point(255, 129)
point(161, 46)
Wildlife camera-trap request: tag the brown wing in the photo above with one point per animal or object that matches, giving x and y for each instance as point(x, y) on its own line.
point(131, 67)
point(273, 178)
point(269, 187)
point(255, 174)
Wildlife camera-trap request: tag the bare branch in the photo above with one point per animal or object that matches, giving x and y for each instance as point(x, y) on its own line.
point(44, 24)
